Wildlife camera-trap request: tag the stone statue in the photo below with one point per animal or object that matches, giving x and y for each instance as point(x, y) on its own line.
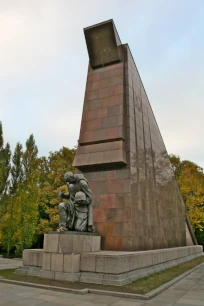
point(76, 213)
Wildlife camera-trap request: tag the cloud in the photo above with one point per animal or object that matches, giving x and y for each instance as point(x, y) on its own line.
point(43, 67)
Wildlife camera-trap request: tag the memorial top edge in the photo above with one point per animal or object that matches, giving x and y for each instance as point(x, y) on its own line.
point(99, 24)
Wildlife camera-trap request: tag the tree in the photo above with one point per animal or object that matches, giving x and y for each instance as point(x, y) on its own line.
point(26, 210)
point(190, 178)
point(30, 161)
point(32, 199)
point(53, 181)
point(5, 156)
point(27, 197)
point(191, 182)
point(16, 169)
point(8, 227)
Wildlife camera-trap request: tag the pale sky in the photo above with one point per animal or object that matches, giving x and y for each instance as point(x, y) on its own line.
point(44, 60)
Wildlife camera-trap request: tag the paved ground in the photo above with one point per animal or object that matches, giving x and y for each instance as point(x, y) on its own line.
point(187, 292)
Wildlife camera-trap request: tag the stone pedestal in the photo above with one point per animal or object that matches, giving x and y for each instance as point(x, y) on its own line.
point(62, 253)
point(71, 242)
point(60, 257)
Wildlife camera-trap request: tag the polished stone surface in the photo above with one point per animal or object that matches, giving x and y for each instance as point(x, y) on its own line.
point(136, 201)
point(187, 292)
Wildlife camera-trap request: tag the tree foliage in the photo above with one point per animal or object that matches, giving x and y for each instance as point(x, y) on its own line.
point(17, 168)
point(190, 178)
point(29, 189)
point(5, 156)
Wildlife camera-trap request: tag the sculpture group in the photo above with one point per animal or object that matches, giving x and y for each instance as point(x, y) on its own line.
point(76, 213)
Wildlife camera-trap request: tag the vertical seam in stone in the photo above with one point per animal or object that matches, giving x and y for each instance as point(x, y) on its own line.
point(58, 243)
point(63, 263)
point(151, 148)
point(143, 132)
point(136, 144)
point(50, 261)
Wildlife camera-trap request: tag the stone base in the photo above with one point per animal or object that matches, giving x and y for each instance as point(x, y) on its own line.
point(109, 268)
point(33, 257)
point(115, 262)
point(127, 278)
point(61, 262)
point(36, 271)
point(62, 251)
point(71, 242)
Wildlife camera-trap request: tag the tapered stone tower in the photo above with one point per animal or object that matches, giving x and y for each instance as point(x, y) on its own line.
point(137, 204)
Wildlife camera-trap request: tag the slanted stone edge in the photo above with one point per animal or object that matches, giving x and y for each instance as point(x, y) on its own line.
point(147, 296)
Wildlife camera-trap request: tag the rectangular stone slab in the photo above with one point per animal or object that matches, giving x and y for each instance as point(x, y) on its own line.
point(71, 242)
point(33, 257)
point(110, 262)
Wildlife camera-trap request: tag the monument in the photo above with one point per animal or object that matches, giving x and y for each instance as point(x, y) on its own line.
point(124, 217)
point(137, 203)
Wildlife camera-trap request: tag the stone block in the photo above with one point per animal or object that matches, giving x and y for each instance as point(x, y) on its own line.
point(57, 262)
point(147, 259)
point(71, 263)
point(35, 271)
point(100, 264)
point(22, 270)
point(51, 243)
point(90, 280)
point(88, 262)
point(115, 276)
point(163, 255)
point(47, 274)
point(65, 244)
point(96, 278)
point(135, 261)
point(86, 244)
point(68, 243)
point(40, 258)
point(70, 277)
point(155, 258)
point(46, 264)
point(112, 264)
point(96, 245)
point(115, 282)
point(33, 257)
point(78, 244)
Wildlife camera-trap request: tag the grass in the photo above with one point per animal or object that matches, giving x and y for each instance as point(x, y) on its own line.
point(141, 286)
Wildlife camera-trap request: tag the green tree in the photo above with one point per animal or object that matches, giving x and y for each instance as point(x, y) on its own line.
point(54, 169)
point(190, 178)
point(30, 161)
point(27, 197)
point(8, 226)
point(16, 169)
point(5, 157)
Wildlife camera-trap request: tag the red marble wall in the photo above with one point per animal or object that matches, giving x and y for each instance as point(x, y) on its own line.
point(136, 201)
